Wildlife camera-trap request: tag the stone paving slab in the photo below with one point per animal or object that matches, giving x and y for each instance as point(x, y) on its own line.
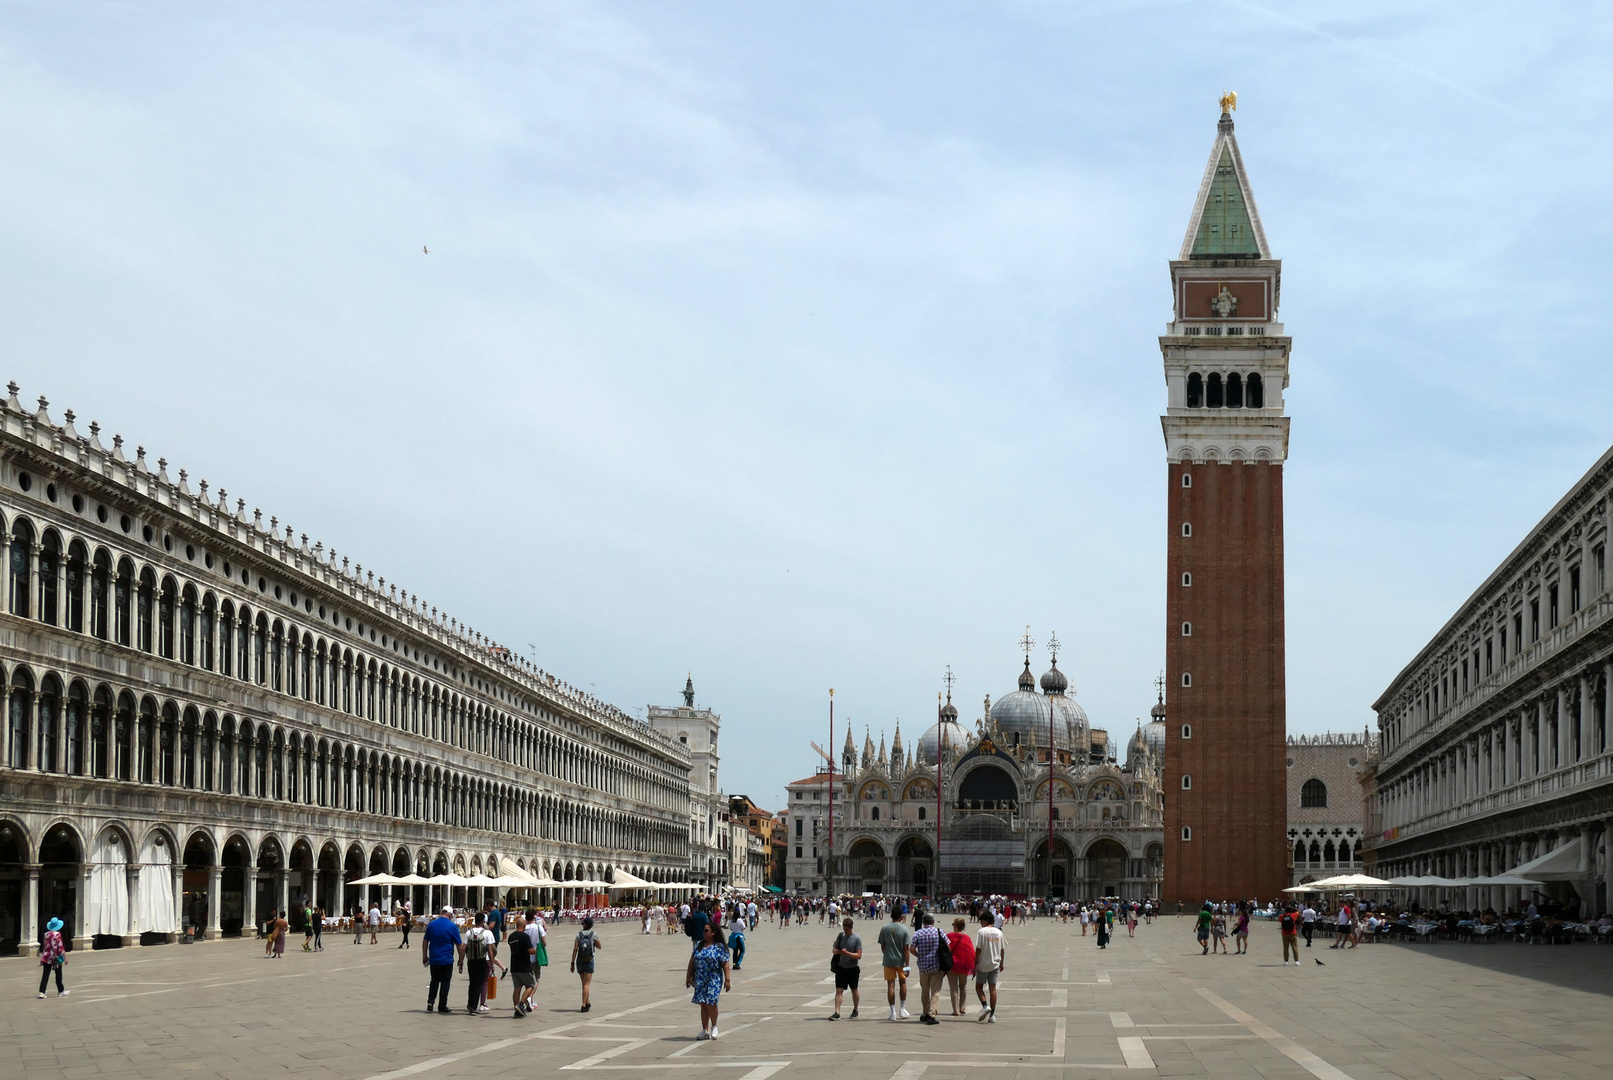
point(1148, 1006)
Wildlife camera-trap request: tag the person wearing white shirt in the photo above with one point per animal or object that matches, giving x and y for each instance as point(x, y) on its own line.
point(1307, 920)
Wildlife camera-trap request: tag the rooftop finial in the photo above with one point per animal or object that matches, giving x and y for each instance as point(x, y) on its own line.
point(1229, 102)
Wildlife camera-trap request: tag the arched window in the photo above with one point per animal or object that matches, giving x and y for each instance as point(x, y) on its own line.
point(120, 601)
point(187, 626)
point(1187, 578)
point(1187, 731)
point(1327, 851)
point(873, 813)
point(1234, 391)
point(22, 542)
point(1214, 397)
point(922, 809)
point(100, 580)
point(1299, 853)
point(1187, 782)
point(1187, 528)
point(1187, 678)
point(1255, 391)
point(76, 558)
point(1316, 852)
point(1187, 479)
point(1195, 390)
point(165, 619)
point(1313, 793)
point(20, 715)
point(145, 597)
point(50, 557)
point(1187, 629)
point(1187, 832)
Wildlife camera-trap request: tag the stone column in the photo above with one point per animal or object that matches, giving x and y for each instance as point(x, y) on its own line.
point(215, 893)
point(283, 883)
point(131, 933)
point(28, 928)
point(1565, 745)
point(178, 869)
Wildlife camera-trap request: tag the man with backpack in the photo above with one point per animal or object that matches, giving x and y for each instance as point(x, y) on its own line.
point(930, 949)
point(583, 948)
point(1289, 924)
point(481, 950)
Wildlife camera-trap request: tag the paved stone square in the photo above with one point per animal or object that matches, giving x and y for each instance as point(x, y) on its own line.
point(1152, 1005)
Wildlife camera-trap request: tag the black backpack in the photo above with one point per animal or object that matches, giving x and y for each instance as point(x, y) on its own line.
point(943, 952)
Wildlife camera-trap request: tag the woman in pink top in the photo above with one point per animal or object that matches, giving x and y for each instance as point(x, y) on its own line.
point(52, 957)
point(963, 965)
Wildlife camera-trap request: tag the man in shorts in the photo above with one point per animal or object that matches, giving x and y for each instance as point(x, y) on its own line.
point(991, 956)
point(1289, 925)
point(521, 956)
point(848, 952)
point(1202, 927)
point(893, 941)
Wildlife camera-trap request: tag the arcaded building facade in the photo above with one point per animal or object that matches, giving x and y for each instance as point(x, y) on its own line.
point(206, 718)
point(1495, 735)
point(1226, 438)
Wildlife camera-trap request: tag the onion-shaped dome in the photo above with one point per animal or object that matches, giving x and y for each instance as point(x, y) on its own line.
point(1158, 711)
point(1053, 681)
point(1027, 681)
point(957, 738)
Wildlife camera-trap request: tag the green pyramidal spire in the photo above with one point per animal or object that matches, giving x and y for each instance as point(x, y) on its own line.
point(1225, 230)
point(1225, 222)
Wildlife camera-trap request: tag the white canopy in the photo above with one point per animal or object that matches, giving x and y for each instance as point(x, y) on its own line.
point(1428, 880)
point(626, 879)
point(520, 876)
point(1561, 864)
point(413, 879)
point(680, 885)
point(1501, 879)
point(378, 879)
point(450, 880)
point(1350, 881)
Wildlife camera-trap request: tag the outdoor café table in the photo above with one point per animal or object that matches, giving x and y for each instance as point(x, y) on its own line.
point(1424, 929)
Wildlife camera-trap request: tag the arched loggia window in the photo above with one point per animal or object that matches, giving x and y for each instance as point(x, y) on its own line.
point(1234, 391)
point(22, 542)
point(1255, 391)
point(1195, 390)
point(1214, 397)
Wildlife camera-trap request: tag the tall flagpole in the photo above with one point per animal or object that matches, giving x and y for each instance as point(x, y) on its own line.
point(830, 877)
point(940, 747)
point(1052, 757)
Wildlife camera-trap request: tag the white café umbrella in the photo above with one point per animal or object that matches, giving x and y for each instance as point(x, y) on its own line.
point(626, 879)
point(413, 879)
point(377, 879)
point(1502, 879)
point(1351, 881)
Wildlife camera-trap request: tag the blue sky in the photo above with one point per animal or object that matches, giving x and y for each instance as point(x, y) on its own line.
point(810, 346)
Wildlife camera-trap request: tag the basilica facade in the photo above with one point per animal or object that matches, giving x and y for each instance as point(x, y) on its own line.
point(1030, 802)
point(207, 718)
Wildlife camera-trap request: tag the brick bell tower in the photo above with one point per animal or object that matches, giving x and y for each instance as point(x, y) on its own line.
point(1226, 437)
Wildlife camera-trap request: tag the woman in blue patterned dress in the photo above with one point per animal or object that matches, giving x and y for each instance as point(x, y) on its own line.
point(708, 974)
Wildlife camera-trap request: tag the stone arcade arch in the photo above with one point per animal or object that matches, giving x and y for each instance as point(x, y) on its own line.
point(1105, 867)
point(866, 865)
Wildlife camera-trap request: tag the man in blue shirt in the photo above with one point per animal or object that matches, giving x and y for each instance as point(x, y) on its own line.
point(438, 946)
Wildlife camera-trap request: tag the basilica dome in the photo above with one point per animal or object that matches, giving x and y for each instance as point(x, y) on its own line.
point(1025, 714)
point(1150, 736)
point(958, 739)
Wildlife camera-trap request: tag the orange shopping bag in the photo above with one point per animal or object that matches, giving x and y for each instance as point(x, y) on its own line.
point(492, 987)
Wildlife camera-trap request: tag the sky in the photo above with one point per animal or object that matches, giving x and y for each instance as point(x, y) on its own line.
point(808, 346)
